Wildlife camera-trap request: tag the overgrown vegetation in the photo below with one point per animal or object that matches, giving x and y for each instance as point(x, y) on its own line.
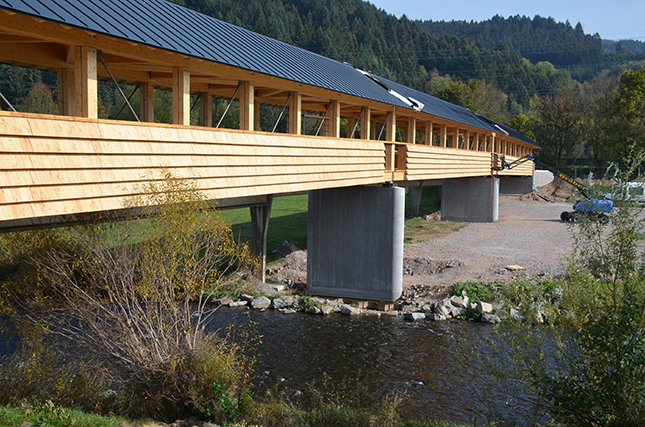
point(112, 317)
point(577, 359)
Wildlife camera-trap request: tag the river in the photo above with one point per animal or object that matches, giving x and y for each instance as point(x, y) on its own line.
point(383, 354)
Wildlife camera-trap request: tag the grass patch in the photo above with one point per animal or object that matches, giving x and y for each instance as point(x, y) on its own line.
point(288, 222)
point(48, 414)
point(419, 229)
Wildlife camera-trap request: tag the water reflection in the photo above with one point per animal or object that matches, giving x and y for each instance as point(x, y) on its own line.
point(386, 354)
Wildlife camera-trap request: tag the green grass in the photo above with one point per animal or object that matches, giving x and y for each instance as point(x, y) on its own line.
point(48, 414)
point(289, 221)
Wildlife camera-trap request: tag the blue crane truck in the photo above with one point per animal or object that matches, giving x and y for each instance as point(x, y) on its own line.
point(593, 204)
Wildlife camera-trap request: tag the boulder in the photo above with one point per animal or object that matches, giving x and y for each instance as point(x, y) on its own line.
point(285, 301)
point(436, 316)
point(326, 310)
point(348, 310)
point(456, 311)
point(443, 307)
point(414, 316)
point(460, 302)
point(240, 303)
point(484, 307)
point(490, 318)
point(261, 303)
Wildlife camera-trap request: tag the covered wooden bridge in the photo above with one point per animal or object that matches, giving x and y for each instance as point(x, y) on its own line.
point(58, 168)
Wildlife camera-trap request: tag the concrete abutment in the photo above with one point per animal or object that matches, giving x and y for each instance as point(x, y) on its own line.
point(355, 242)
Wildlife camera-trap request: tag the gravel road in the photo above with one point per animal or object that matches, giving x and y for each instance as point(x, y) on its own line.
point(528, 234)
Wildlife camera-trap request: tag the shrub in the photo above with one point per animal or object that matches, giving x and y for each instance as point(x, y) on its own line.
point(586, 364)
point(123, 306)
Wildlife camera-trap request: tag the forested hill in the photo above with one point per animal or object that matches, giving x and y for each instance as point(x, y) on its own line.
point(537, 39)
point(541, 39)
point(357, 32)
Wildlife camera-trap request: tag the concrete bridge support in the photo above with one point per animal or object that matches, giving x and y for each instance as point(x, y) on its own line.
point(355, 242)
point(470, 199)
point(515, 185)
point(260, 224)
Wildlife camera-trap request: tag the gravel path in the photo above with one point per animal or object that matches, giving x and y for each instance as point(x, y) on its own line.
point(528, 234)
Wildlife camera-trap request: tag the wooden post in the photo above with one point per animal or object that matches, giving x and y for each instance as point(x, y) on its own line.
point(467, 139)
point(247, 106)
point(86, 83)
point(295, 114)
point(147, 102)
point(334, 119)
point(66, 97)
point(411, 135)
point(181, 96)
point(366, 124)
point(444, 136)
point(429, 140)
point(390, 126)
point(256, 116)
point(454, 139)
point(206, 110)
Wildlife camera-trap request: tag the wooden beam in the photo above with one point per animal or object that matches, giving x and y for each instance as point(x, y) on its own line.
point(429, 137)
point(147, 102)
point(390, 126)
point(295, 114)
point(206, 110)
point(85, 82)
point(247, 106)
point(411, 134)
point(256, 116)
point(181, 96)
point(334, 119)
point(366, 123)
point(467, 139)
point(444, 135)
point(66, 96)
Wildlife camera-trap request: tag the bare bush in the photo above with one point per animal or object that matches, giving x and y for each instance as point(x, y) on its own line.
point(133, 299)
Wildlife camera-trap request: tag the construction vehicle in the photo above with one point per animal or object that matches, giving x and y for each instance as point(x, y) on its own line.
point(596, 205)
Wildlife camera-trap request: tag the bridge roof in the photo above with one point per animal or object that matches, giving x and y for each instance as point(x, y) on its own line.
point(162, 24)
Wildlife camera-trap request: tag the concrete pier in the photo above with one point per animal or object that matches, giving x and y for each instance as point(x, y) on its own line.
point(470, 199)
point(355, 242)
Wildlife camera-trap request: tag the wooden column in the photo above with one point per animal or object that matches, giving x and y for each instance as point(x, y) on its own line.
point(295, 114)
point(181, 96)
point(390, 135)
point(66, 96)
point(390, 126)
point(247, 106)
point(351, 122)
point(366, 124)
point(256, 116)
point(444, 136)
point(454, 140)
point(147, 102)
point(429, 139)
point(334, 119)
point(411, 135)
point(206, 110)
point(85, 81)
point(467, 140)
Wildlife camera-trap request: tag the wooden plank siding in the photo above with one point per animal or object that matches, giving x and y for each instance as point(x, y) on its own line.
point(52, 165)
point(424, 162)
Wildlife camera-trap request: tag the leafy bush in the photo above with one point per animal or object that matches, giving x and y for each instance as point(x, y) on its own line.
point(586, 364)
point(119, 310)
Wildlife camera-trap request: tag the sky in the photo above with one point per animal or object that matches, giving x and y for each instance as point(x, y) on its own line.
point(612, 19)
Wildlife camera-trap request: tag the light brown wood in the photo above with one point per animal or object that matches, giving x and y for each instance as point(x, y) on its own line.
point(181, 96)
point(86, 84)
point(295, 114)
point(147, 102)
point(411, 131)
point(247, 106)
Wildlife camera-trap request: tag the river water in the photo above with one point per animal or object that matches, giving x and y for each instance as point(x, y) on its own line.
point(383, 354)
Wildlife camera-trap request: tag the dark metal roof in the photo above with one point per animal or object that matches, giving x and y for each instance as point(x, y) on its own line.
point(168, 26)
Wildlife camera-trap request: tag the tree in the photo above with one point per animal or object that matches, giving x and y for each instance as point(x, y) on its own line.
point(559, 127)
point(39, 99)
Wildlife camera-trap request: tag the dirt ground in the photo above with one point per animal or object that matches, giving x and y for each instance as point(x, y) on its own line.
point(528, 240)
